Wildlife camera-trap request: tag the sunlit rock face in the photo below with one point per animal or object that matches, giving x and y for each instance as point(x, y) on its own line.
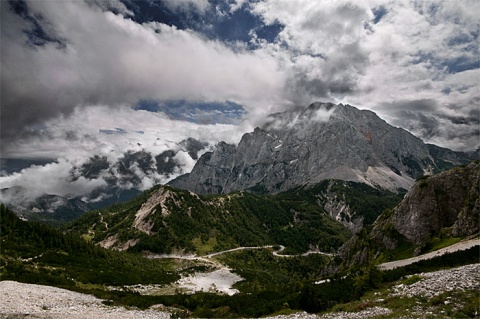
point(322, 141)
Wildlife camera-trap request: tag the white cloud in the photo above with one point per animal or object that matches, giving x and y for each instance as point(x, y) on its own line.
point(74, 139)
point(326, 51)
point(323, 115)
point(99, 63)
point(53, 178)
point(81, 134)
point(237, 4)
point(78, 137)
point(109, 59)
point(188, 5)
point(334, 51)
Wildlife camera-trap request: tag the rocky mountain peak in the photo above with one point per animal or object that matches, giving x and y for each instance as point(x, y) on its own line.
point(321, 141)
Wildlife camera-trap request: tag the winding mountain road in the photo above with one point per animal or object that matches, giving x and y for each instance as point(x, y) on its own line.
point(206, 258)
point(240, 248)
point(463, 245)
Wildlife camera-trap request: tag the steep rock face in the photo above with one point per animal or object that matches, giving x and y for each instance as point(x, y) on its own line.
point(322, 141)
point(447, 200)
point(442, 205)
point(339, 210)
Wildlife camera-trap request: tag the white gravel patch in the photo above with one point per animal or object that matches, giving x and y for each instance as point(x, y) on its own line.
point(19, 300)
point(367, 313)
point(434, 283)
point(220, 280)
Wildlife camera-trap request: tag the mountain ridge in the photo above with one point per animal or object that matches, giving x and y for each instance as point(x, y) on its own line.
point(164, 219)
point(322, 141)
point(298, 147)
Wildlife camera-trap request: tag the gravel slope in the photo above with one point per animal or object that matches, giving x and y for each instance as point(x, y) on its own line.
point(19, 300)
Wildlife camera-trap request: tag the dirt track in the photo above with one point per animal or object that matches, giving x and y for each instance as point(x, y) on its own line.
point(463, 245)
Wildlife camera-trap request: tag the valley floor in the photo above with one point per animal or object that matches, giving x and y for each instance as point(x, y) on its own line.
point(436, 294)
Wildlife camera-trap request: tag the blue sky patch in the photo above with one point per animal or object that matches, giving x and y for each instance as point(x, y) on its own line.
point(461, 64)
point(196, 112)
point(379, 13)
point(227, 27)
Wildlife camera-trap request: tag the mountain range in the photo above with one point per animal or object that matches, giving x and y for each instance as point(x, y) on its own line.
point(297, 148)
point(323, 190)
point(123, 180)
point(323, 141)
point(326, 169)
point(166, 220)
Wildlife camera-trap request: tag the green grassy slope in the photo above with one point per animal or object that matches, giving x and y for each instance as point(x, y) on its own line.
point(202, 224)
point(37, 253)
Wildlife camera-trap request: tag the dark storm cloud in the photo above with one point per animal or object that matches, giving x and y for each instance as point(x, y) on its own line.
point(471, 119)
point(40, 31)
point(417, 121)
point(111, 60)
point(424, 105)
point(337, 75)
point(301, 90)
point(444, 126)
point(71, 136)
point(263, 55)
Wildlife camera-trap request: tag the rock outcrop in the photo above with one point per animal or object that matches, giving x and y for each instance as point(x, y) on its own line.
point(444, 205)
point(448, 201)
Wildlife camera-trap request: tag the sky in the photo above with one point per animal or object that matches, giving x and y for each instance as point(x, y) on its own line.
point(81, 78)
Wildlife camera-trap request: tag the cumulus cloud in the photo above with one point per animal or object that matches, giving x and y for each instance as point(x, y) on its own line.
point(53, 178)
point(366, 53)
point(112, 136)
point(106, 58)
point(379, 54)
point(72, 70)
point(323, 45)
point(111, 131)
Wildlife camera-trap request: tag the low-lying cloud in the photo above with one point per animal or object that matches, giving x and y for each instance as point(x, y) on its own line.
point(72, 141)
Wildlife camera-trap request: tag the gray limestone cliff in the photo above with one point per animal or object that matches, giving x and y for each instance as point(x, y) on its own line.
point(440, 206)
point(322, 141)
point(449, 201)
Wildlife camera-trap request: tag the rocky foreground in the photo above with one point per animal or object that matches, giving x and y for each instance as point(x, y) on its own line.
point(18, 300)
